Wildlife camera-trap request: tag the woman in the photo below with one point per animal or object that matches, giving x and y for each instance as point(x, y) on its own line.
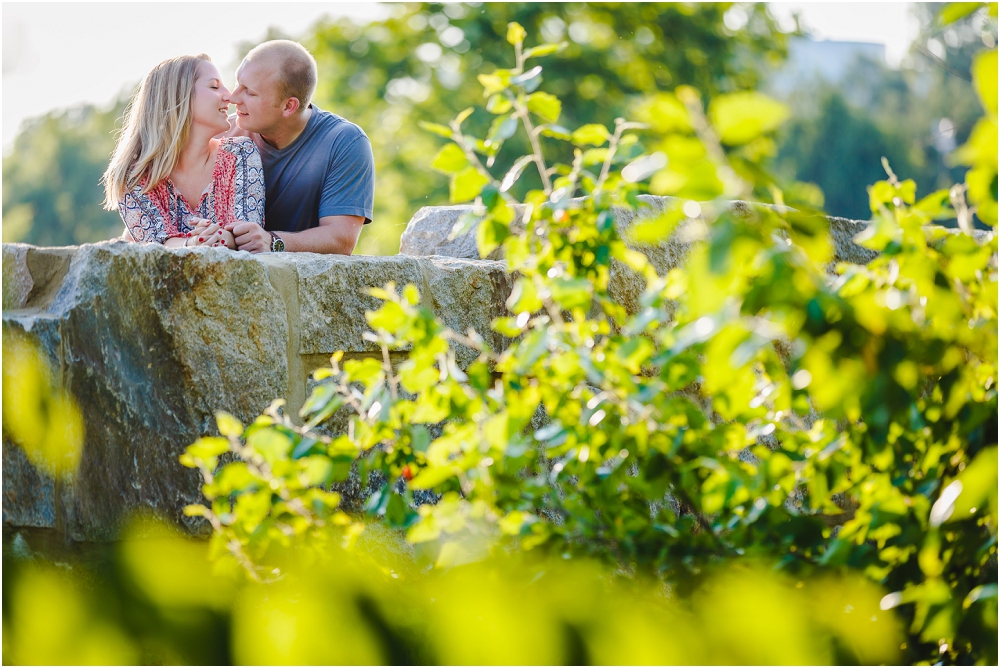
point(171, 180)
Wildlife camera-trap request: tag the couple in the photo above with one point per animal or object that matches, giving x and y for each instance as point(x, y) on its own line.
point(183, 175)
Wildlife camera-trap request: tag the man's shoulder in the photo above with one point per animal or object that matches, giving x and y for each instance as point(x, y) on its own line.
point(337, 127)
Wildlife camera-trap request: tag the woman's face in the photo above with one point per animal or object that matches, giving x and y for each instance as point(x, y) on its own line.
point(210, 100)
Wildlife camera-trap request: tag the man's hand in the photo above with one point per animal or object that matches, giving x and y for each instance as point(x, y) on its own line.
point(250, 236)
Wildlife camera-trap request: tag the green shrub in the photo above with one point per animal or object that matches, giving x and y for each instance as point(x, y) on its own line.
point(763, 405)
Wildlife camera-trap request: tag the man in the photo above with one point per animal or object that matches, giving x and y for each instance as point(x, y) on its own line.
point(319, 171)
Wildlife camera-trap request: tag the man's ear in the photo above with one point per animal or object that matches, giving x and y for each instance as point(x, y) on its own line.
point(290, 107)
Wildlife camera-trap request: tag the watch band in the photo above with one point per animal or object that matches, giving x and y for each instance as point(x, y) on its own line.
point(277, 244)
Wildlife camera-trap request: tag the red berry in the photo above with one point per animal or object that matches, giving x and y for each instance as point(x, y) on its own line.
point(407, 473)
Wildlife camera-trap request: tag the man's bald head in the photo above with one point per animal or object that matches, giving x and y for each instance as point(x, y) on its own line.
point(293, 68)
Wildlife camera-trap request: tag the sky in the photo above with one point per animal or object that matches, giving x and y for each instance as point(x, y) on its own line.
point(57, 55)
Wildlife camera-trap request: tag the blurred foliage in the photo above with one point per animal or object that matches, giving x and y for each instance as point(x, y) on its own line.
point(756, 408)
point(51, 190)
point(156, 598)
point(416, 65)
point(38, 415)
point(420, 64)
point(915, 115)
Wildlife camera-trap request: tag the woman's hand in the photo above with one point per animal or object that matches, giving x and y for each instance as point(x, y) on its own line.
point(207, 233)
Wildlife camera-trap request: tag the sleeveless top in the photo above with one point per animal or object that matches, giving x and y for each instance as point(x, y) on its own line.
point(235, 193)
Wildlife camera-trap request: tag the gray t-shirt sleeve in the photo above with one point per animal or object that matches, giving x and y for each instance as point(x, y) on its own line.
point(349, 189)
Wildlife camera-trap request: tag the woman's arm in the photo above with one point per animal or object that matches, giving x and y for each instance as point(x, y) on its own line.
point(142, 218)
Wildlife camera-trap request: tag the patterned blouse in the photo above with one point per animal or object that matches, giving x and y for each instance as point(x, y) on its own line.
point(235, 193)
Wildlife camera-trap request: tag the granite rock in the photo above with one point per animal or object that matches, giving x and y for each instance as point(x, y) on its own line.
point(428, 231)
point(152, 341)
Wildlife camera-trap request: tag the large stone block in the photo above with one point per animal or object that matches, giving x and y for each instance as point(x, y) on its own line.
point(152, 341)
point(428, 231)
point(17, 281)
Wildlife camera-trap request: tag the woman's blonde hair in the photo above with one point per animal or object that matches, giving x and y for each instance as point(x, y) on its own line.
point(157, 125)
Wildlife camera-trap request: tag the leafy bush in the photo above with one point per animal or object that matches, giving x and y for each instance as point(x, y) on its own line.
point(758, 407)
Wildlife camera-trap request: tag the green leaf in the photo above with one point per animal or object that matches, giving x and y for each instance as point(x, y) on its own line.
point(506, 326)
point(978, 483)
point(514, 172)
point(515, 33)
point(431, 477)
point(555, 131)
point(318, 398)
point(234, 477)
point(953, 11)
point(195, 510)
point(490, 234)
point(396, 511)
point(502, 128)
point(208, 447)
point(450, 160)
point(594, 134)
point(316, 469)
point(466, 185)
point(228, 425)
point(524, 297)
point(572, 293)
point(935, 205)
point(390, 317)
point(524, 78)
point(270, 444)
point(740, 118)
point(984, 76)
point(544, 50)
point(462, 115)
point(595, 156)
point(493, 83)
point(498, 104)
point(644, 166)
point(665, 114)
point(546, 106)
point(436, 128)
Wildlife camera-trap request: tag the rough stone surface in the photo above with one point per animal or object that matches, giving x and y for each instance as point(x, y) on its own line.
point(29, 498)
point(152, 341)
point(427, 234)
point(333, 296)
point(17, 282)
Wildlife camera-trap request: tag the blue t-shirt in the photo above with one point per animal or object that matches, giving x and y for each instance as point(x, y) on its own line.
point(329, 170)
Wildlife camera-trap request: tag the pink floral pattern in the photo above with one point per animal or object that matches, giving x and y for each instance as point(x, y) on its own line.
point(235, 193)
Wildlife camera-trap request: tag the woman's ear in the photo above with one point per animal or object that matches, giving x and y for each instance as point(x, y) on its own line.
point(290, 107)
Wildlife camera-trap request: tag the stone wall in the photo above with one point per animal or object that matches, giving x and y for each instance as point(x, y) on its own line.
point(152, 341)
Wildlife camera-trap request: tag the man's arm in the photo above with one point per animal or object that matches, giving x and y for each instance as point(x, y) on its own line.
point(335, 234)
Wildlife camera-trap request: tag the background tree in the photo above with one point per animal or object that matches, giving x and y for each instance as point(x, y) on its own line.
point(51, 194)
point(915, 115)
point(418, 64)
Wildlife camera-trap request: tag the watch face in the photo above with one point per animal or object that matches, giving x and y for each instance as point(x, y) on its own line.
point(277, 245)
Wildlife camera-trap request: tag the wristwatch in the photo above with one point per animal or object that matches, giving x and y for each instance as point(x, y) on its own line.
point(277, 245)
